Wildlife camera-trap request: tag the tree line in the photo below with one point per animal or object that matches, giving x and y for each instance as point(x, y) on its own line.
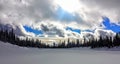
point(10, 37)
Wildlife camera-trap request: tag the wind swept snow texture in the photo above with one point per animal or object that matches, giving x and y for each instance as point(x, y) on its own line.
point(10, 54)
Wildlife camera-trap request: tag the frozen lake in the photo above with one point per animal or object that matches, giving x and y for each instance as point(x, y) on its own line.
point(10, 54)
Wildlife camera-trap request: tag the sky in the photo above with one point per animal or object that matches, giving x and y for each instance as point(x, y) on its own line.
point(80, 17)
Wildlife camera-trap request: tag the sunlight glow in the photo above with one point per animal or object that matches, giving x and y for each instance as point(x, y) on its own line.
point(69, 5)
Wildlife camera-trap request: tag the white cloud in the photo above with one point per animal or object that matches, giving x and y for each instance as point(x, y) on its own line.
point(88, 35)
point(96, 34)
point(103, 8)
point(43, 15)
point(89, 15)
point(103, 33)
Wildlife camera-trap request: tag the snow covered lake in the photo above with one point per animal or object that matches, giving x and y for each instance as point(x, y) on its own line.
point(11, 54)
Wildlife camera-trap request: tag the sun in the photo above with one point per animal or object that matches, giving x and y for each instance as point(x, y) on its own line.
point(69, 5)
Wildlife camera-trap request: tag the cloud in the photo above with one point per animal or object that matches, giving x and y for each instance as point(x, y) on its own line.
point(41, 15)
point(24, 11)
point(96, 34)
point(106, 8)
point(89, 15)
point(87, 35)
point(103, 33)
point(52, 27)
point(29, 12)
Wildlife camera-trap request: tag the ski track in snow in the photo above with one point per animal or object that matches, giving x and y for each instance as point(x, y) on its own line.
point(12, 54)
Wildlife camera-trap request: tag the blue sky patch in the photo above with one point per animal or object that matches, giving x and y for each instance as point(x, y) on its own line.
point(110, 26)
point(35, 31)
point(74, 30)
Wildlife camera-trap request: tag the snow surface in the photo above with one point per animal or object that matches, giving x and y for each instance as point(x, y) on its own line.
point(12, 54)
